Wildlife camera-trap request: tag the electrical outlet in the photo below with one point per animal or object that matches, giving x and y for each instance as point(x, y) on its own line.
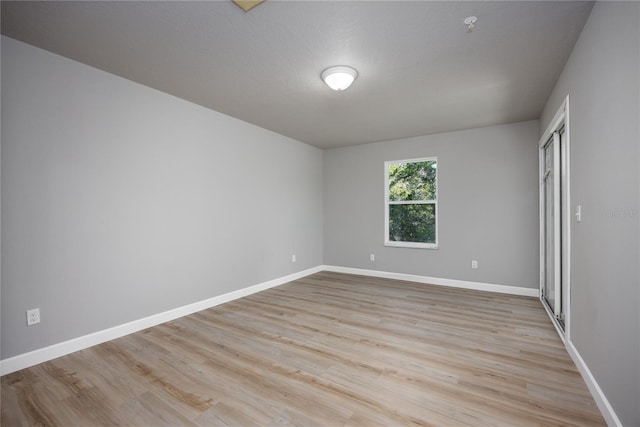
point(372, 257)
point(474, 263)
point(293, 258)
point(33, 316)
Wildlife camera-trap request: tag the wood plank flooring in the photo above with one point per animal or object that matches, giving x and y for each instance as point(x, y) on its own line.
point(326, 350)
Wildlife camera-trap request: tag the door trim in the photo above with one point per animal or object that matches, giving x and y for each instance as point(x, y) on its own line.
point(560, 119)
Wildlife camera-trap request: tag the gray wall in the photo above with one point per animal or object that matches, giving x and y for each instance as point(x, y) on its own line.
point(601, 78)
point(487, 205)
point(119, 201)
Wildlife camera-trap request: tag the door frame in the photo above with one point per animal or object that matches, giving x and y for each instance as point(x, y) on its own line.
point(560, 119)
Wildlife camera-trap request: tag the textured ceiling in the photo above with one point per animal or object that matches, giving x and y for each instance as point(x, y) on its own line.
point(420, 72)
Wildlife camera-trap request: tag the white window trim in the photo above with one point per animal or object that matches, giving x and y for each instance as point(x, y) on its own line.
point(387, 203)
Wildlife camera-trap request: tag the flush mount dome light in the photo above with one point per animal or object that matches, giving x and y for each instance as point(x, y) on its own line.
point(339, 77)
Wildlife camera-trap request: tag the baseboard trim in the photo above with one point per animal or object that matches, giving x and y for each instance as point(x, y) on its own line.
point(504, 289)
point(598, 395)
point(45, 354)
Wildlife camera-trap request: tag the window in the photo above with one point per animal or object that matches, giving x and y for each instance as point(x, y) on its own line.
point(411, 207)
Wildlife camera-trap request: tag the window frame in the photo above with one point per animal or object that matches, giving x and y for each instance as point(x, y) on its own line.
point(388, 203)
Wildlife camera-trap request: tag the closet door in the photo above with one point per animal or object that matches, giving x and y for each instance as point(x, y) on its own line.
point(552, 289)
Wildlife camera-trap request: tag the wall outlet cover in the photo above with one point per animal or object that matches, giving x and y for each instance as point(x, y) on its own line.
point(33, 316)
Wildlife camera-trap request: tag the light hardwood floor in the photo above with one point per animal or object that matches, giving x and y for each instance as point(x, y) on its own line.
point(327, 350)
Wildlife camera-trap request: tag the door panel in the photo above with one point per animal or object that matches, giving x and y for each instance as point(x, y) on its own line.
point(552, 277)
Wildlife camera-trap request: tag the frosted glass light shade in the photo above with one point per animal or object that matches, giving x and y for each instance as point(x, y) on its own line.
point(340, 77)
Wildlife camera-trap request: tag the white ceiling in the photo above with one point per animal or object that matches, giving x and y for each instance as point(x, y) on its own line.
point(420, 72)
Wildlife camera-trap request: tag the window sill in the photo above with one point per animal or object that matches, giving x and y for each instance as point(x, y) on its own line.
point(411, 245)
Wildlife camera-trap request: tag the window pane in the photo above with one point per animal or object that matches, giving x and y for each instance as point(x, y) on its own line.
point(412, 181)
point(412, 223)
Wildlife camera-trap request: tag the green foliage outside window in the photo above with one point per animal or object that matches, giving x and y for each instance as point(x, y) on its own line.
point(412, 182)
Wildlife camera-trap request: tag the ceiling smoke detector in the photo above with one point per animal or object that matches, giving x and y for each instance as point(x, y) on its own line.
point(470, 22)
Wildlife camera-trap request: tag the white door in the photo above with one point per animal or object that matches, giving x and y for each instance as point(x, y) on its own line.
point(553, 290)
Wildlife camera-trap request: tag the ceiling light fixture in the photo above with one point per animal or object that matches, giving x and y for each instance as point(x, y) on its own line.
point(339, 77)
point(470, 22)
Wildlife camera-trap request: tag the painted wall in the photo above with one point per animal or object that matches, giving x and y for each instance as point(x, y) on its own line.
point(119, 201)
point(487, 206)
point(602, 80)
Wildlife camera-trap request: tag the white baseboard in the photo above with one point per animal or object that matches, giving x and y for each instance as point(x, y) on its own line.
point(26, 360)
point(41, 355)
point(513, 290)
point(598, 395)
